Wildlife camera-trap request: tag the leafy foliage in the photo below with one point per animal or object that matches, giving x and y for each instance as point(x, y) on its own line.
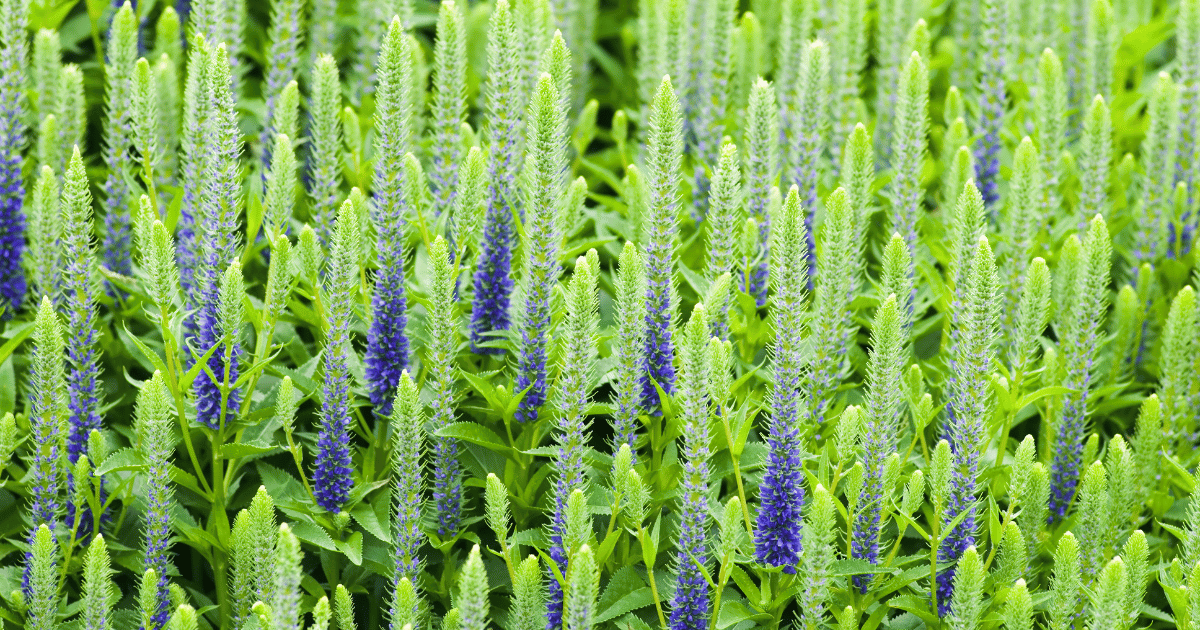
point(541, 314)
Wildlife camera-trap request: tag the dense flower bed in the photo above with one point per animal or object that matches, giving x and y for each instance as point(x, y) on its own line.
point(540, 314)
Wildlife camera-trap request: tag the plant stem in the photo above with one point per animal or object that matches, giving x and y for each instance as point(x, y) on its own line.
point(1011, 418)
point(737, 473)
point(934, 543)
point(649, 562)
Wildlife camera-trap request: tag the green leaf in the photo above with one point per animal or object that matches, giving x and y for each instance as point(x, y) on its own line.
point(1032, 397)
point(186, 479)
point(19, 333)
point(631, 622)
point(124, 459)
point(311, 533)
point(475, 433)
point(650, 543)
point(201, 363)
point(1180, 475)
point(747, 585)
point(626, 592)
point(154, 362)
point(8, 386)
point(917, 606)
point(49, 14)
point(606, 547)
point(247, 449)
point(254, 215)
point(197, 537)
point(282, 486)
point(497, 399)
point(734, 612)
point(534, 537)
point(352, 547)
point(368, 516)
point(856, 566)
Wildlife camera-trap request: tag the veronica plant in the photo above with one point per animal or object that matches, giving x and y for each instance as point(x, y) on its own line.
point(442, 365)
point(332, 477)
point(1021, 224)
point(831, 324)
point(45, 66)
point(395, 199)
point(994, 23)
point(1100, 39)
point(1050, 123)
point(690, 604)
point(1080, 331)
point(449, 107)
point(79, 284)
point(42, 569)
point(70, 118)
point(724, 220)
point(847, 61)
point(45, 230)
point(881, 431)
point(762, 169)
point(1179, 345)
point(573, 399)
point(218, 240)
point(858, 179)
point(471, 596)
point(1158, 158)
point(908, 155)
point(153, 423)
point(969, 410)
point(118, 137)
point(408, 447)
point(781, 494)
point(505, 104)
point(195, 148)
point(325, 141)
point(1095, 160)
point(630, 346)
point(544, 187)
point(287, 573)
point(47, 414)
point(808, 128)
point(286, 38)
point(664, 152)
point(100, 594)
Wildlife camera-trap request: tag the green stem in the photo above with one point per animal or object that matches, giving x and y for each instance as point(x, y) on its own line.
point(262, 346)
point(911, 445)
point(421, 225)
point(298, 456)
point(70, 551)
point(934, 543)
point(97, 44)
point(992, 552)
point(96, 509)
point(148, 179)
point(716, 609)
point(662, 619)
point(512, 573)
point(1010, 419)
point(737, 474)
point(901, 528)
point(783, 583)
point(173, 367)
point(219, 524)
point(849, 529)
